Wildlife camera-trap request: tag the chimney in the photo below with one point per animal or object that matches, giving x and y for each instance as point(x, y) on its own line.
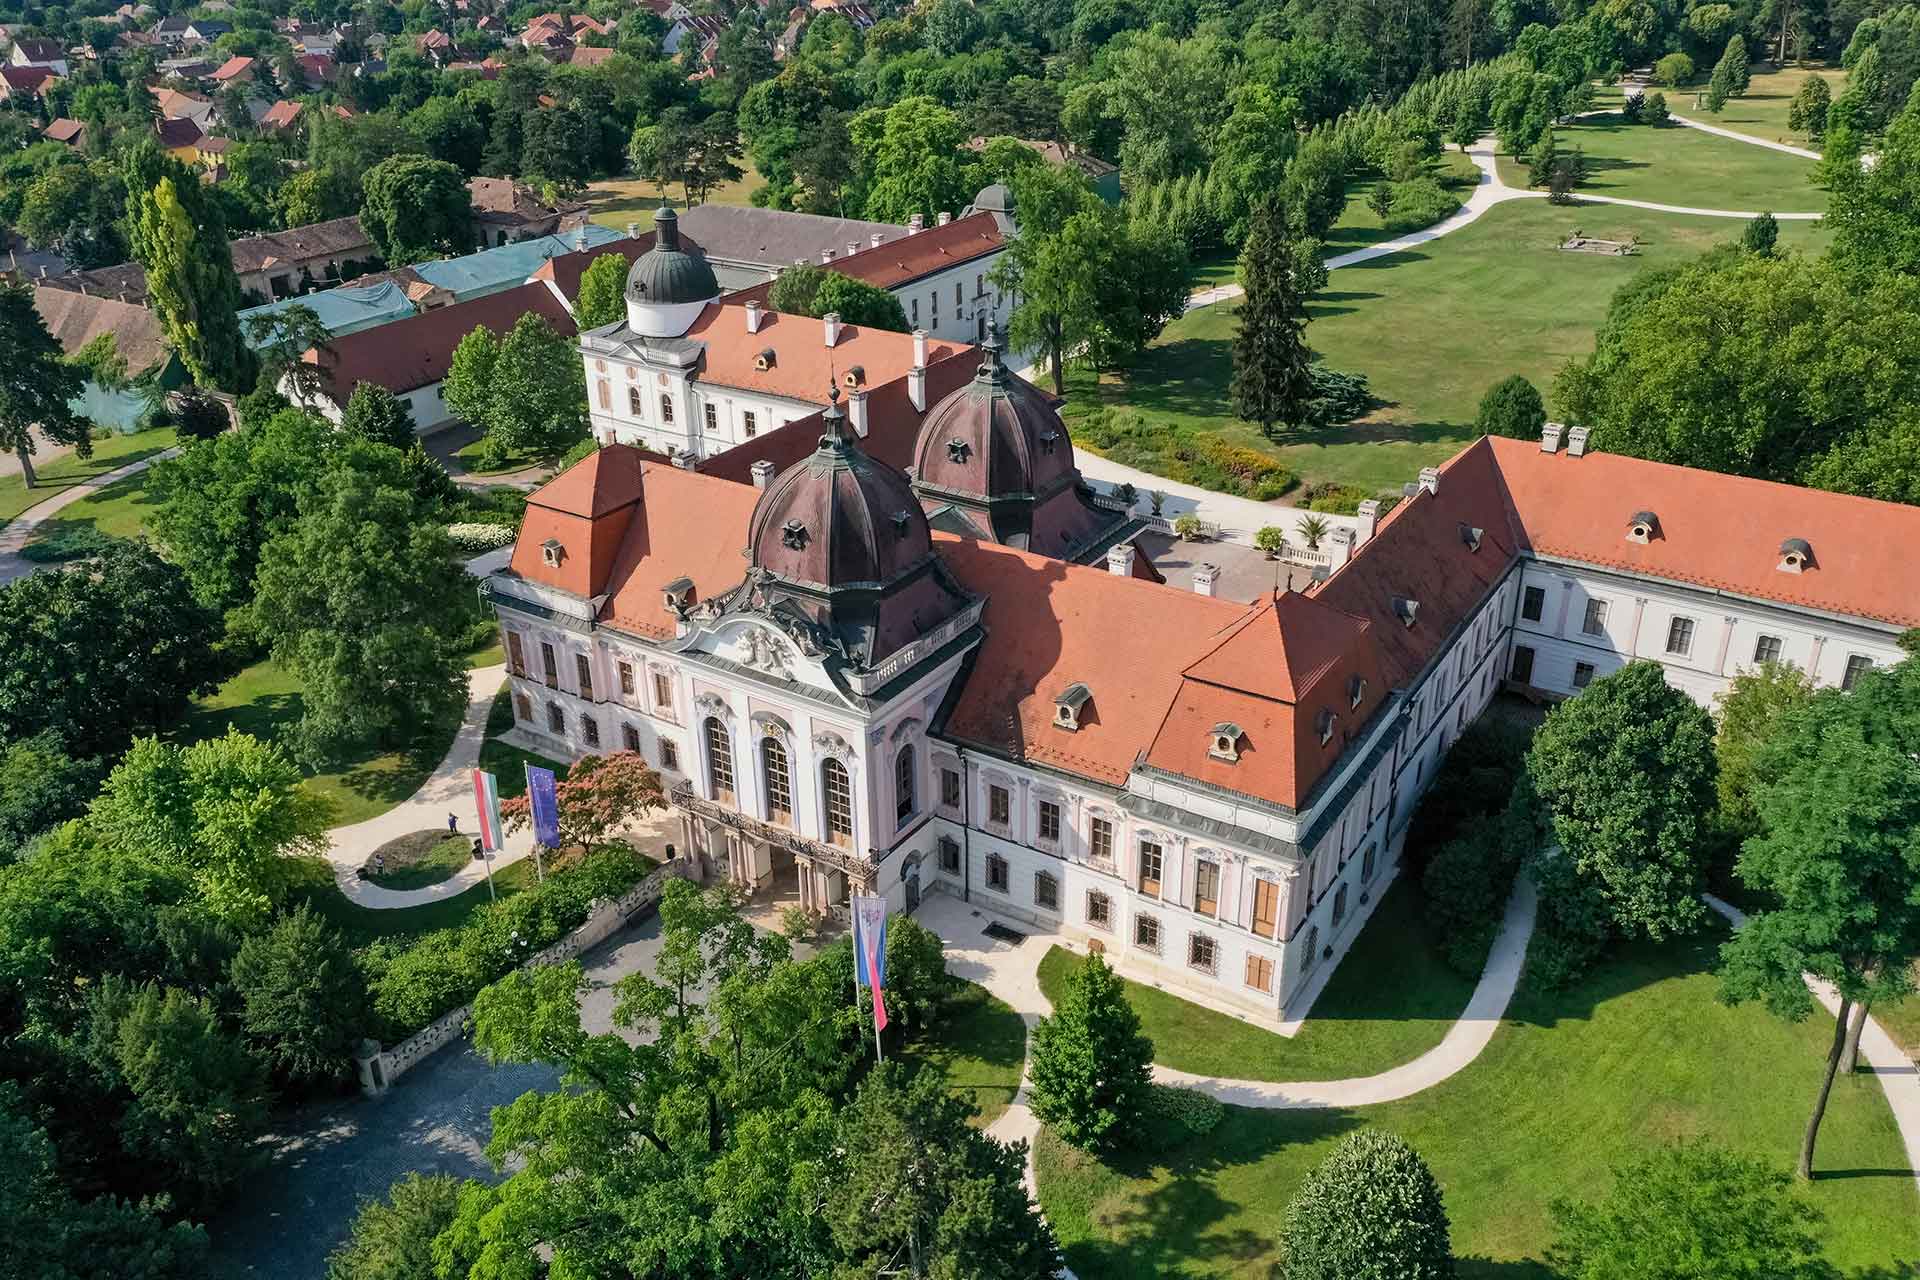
point(945, 218)
point(916, 224)
point(580, 238)
point(826, 256)
point(1430, 479)
point(917, 388)
point(1550, 437)
point(633, 231)
point(1203, 578)
point(1340, 550)
point(873, 241)
point(43, 272)
point(685, 459)
point(762, 473)
point(753, 317)
point(857, 411)
point(1120, 562)
point(830, 322)
point(1577, 442)
point(919, 348)
point(1369, 514)
point(853, 247)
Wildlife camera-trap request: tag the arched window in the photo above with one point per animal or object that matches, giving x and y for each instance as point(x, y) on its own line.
point(838, 791)
point(905, 794)
point(719, 760)
point(776, 781)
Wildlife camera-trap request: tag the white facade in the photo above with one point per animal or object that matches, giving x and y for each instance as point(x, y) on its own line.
point(956, 305)
point(659, 404)
point(428, 405)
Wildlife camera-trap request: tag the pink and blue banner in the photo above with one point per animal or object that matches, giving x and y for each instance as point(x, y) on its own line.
point(543, 797)
point(486, 799)
point(870, 952)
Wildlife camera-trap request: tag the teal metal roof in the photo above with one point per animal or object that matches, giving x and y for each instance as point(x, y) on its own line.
point(494, 270)
point(347, 309)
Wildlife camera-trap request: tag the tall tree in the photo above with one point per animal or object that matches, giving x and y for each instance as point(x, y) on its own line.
point(526, 389)
point(1750, 710)
point(603, 291)
point(190, 279)
point(36, 384)
point(302, 998)
point(1872, 207)
point(1091, 1066)
point(1837, 795)
point(599, 795)
point(1807, 113)
point(378, 416)
point(416, 209)
point(1371, 1210)
point(1055, 283)
point(911, 158)
point(1272, 377)
point(1627, 772)
point(281, 339)
point(393, 1239)
point(1512, 407)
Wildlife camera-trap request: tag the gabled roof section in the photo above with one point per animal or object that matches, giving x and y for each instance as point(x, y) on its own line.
point(414, 352)
point(605, 480)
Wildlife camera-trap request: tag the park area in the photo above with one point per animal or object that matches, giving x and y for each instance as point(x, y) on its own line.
point(1760, 112)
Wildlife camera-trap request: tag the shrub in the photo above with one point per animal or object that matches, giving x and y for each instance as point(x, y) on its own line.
point(1185, 1112)
point(198, 415)
point(1480, 776)
point(1512, 407)
point(1187, 526)
point(1634, 107)
point(70, 542)
point(473, 539)
point(1333, 499)
point(1271, 539)
point(1574, 925)
point(1418, 203)
point(1337, 397)
point(1371, 1211)
point(1672, 71)
point(1466, 885)
point(1655, 112)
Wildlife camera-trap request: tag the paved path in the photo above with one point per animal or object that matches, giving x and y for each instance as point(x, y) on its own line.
point(1749, 139)
point(17, 532)
point(1898, 1074)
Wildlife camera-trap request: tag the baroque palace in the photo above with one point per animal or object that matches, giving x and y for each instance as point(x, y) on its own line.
point(907, 649)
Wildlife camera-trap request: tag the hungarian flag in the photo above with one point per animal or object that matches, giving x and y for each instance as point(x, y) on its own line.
point(486, 799)
point(870, 952)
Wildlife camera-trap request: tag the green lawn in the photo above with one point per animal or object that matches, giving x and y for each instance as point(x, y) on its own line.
point(1760, 112)
point(1432, 327)
point(1390, 1001)
point(64, 473)
point(981, 1043)
point(615, 202)
point(506, 762)
point(117, 511)
point(1642, 1053)
point(1677, 165)
point(265, 701)
point(361, 925)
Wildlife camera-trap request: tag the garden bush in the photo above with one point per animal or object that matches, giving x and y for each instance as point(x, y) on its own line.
point(1574, 925)
point(473, 539)
point(1371, 1210)
point(1337, 397)
point(1483, 772)
point(1333, 499)
point(1466, 885)
point(1205, 460)
point(76, 542)
point(1673, 70)
point(1183, 1113)
point(1418, 203)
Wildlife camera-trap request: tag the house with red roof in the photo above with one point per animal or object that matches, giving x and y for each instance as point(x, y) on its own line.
point(235, 70)
point(24, 84)
point(71, 133)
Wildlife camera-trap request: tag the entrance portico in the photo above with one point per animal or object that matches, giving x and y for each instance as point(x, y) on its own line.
point(756, 854)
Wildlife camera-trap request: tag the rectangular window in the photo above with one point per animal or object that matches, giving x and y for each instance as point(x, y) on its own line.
point(1522, 671)
point(957, 299)
point(996, 873)
point(1046, 892)
point(1766, 649)
point(712, 416)
point(1533, 602)
point(1582, 674)
point(933, 310)
point(998, 805)
point(1340, 904)
point(1206, 887)
point(522, 707)
point(634, 407)
point(748, 424)
point(1049, 820)
point(1266, 908)
point(950, 788)
point(1857, 666)
point(914, 318)
point(550, 666)
point(1100, 841)
point(669, 756)
point(1366, 864)
point(1200, 952)
point(979, 284)
point(1260, 973)
point(583, 670)
point(556, 718)
point(1680, 636)
point(1151, 858)
point(1146, 933)
point(662, 691)
point(626, 679)
point(949, 856)
point(630, 737)
point(591, 728)
point(1595, 622)
point(1099, 909)
point(516, 656)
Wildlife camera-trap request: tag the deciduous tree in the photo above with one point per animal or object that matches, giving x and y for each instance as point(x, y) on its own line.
point(911, 157)
point(393, 1239)
point(1807, 113)
point(1871, 209)
point(182, 242)
point(1751, 709)
point(1091, 1066)
point(1512, 407)
point(302, 999)
point(600, 794)
point(415, 209)
point(1371, 1210)
point(603, 291)
point(526, 389)
point(280, 339)
point(378, 416)
point(36, 385)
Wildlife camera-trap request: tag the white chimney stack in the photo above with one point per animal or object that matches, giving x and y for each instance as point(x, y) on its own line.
point(873, 241)
point(1341, 549)
point(919, 348)
point(1120, 561)
point(753, 317)
point(1550, 437)
point(1577, 442)
point(762, 473)
point(1203, 578)
point(916, 224)
point(1369, 514)
point(857, 411)
point(1430, 479)
point(633, 231)
point(853, 247)
point(945, 218)
point(826, 256)
point(831, 323)
point(917, 388)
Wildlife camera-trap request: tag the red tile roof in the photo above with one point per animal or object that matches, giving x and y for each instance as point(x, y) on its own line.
point(907, 258)
point(802, 363)
point(413, 353)
point(233, 68)
point(64, 130)
point(281, 115)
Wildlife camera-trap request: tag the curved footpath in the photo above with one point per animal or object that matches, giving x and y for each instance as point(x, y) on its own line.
point(18, 531)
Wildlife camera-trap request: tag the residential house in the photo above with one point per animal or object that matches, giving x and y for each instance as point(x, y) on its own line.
point(180, 138)
point(703, 29)
point(282, 264)
point(505, 211)
point(24, 84)
point(281, 116)
point(189, 69)
point(68, 132)
point(1104, 176)
point(174, 30)
point(317, 68)
point(175, 105)
point(77, 319)
point(32, 51)
point(589, 56)
point(234, 71)
point(207, 30)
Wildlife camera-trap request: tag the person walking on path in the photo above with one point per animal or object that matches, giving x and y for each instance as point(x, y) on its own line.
point(453, 824)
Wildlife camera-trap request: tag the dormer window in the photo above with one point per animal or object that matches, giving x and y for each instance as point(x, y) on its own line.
point(1796, 555)
point(1406, 610)
point(901, 520)
point(1225, 741)
point(1070, 705)
point(1323, 725)
point(1048, 440)
point(854, 377)
point(794, 535)
point(1643, 528)
point(678, 596)
point(957, 450)
point(764, 361)
point(1356, 689)
point(551, 551)
point(1470, 537)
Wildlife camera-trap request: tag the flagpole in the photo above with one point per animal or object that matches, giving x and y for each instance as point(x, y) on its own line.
point(539, 872)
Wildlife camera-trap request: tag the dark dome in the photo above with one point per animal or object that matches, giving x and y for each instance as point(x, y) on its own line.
point(666, 274)
point(997, 437)
point(993, 199)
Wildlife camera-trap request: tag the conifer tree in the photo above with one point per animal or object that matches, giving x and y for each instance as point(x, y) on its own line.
point(1540, 163)
point(1272, 374)
point(1729, 77)
point(1092, 1069)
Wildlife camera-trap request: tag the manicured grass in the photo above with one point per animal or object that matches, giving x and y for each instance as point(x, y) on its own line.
point(617, 201)
point(1640, 1054)
point(469, 457)
point(64, 473)
point(506, 762)
point(1760, 112)
point(418, 859)
point(265, 701)
point(1390, 1001)
point(1432, 327)
point(981, 1044)
point(1901, 1018)
point(1678, 165)
point(117, 511)
point(361, 925)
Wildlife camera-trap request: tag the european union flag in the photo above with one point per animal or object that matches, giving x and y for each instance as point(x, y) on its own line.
point(545, 801)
